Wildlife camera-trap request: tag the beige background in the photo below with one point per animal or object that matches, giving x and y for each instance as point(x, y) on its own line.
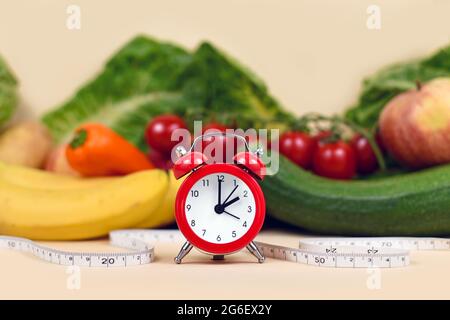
point(312, 54)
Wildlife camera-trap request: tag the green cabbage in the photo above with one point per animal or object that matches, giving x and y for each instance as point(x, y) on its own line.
point(147, 77)
point(8, 92)
point(137, 78)
point(218, 84)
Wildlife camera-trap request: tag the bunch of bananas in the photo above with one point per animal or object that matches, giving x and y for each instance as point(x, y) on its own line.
point(45, 206)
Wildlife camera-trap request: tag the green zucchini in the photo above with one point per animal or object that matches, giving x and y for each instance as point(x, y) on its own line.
point(412, 204)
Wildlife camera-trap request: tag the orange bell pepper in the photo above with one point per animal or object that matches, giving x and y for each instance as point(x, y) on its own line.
point(97, 150)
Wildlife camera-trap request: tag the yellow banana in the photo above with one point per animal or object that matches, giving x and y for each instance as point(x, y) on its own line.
point(81, 212)
point(165, 213)
point(40, 179)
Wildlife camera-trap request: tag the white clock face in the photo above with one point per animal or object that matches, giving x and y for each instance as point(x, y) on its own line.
point(220, 208)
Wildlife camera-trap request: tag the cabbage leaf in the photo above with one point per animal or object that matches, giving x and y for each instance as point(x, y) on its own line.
point(8, 92)
point(148, 77)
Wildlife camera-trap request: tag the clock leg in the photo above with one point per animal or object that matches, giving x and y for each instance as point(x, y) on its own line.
point(255, 251)
point(183, 252)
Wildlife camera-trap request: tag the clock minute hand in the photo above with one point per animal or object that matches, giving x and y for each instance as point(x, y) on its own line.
point(219, 200)
point(236, 217)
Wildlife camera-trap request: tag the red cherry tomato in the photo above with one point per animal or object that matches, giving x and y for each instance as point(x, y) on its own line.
point(216, 148)
point(159, 131)
point(334, 160)
point(366, 161)
point(298, 147)
point(160, 160)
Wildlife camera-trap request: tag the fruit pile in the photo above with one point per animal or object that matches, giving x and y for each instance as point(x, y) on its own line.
point(96, 183)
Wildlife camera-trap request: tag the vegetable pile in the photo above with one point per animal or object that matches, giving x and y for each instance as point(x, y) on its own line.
point(345, 174)
point(401, 123)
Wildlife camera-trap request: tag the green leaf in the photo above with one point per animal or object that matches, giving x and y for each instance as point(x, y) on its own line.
point(8, 92)
point(146, 78)
point(143, 71)
point(215, 82)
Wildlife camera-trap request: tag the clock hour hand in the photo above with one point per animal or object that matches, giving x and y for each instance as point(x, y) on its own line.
point(231, 193)
point(229, 203)
point(231, 214)
point(220, 208)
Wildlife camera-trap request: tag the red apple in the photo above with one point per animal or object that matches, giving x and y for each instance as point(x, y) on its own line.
point(415, 125)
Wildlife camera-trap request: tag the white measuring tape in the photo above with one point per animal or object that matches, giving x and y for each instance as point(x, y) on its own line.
point(321, 252)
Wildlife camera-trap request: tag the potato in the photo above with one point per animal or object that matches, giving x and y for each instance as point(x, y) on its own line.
point(26, 144)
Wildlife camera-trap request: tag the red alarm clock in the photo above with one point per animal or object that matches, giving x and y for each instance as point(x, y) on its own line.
point(220, 207)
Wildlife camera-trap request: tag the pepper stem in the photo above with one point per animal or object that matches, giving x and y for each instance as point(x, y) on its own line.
point(418, 85)
point(79, 139)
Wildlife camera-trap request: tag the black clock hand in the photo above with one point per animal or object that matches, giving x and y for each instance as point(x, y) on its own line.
point(229, 203)
point(230, 195)
point(219, 196)
point(220, 208)
point(231, 214)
